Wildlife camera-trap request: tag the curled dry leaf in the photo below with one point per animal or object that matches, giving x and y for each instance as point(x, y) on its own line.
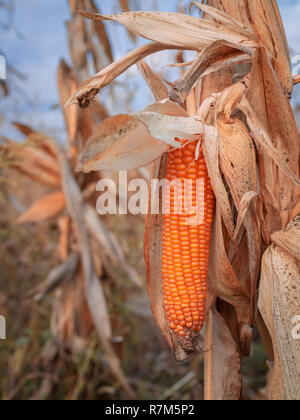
point(219, 51)
point(107, 75)
point(45, 208)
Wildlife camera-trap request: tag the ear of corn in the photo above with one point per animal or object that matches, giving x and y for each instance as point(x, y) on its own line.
point(186, 247)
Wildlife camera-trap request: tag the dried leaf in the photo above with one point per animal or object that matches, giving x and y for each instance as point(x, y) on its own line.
point(296, 79)
point(236, 9)
point(223, 17)
point(210, 150)
point(289, 238)
point(123, 142)
point(78, 47)
point(120, 143)
point(24, 129)
point(64, 228)
point(216, 52)
point(154, 81)
point(101, 33)
point(170, 31)
point(223, 379)
point(262, 138)
point(125, 7)
point(279, 306)
point(267, 22)
point(178, 29)
point(45, 208)
point(110, 245)
point(222, 280)
point(67, 85)
point(167, 128)
point(93, 287)
point(63, 272)
point(107, 75)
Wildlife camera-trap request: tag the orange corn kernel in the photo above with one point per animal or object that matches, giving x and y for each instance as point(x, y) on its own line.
point(186, 247)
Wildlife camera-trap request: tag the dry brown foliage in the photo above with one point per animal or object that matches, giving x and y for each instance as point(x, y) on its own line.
point(251, 147)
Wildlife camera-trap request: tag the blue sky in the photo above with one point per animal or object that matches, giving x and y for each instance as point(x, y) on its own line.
point(38, 40)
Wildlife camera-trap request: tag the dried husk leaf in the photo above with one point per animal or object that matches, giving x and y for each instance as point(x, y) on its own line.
point(167, 128)
point(211, 154)
point(238, 164)
point(275, 133)
point(289, 238)
point(36, 163)
point(120, 143)
point(222, 361)
point(222, 280)
point(45, 208)
point(279, 305)
point(23, 128)
point(124, 142)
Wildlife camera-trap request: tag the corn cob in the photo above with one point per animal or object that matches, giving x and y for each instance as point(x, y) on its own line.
point(186, 247)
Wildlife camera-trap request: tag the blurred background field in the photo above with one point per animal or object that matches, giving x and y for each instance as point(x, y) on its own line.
point(34, 362)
